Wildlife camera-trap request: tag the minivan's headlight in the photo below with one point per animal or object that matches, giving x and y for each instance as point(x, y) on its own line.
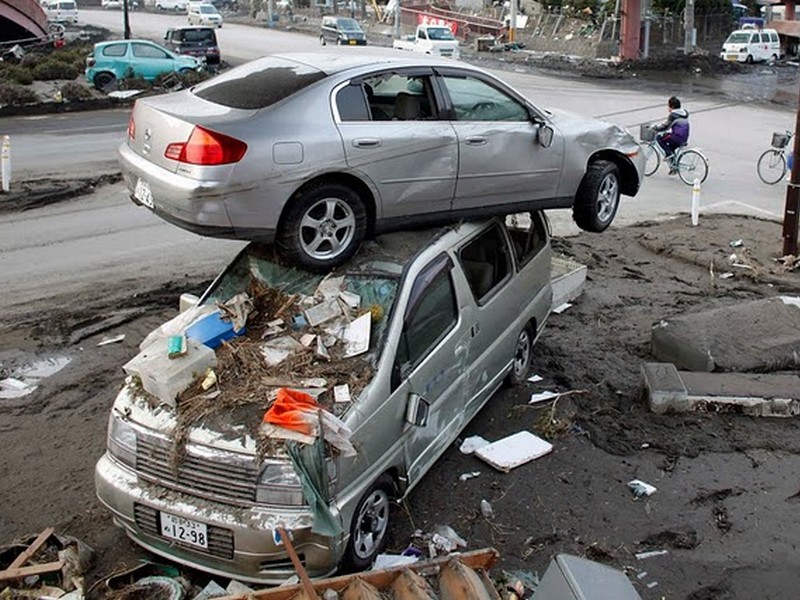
point(279, 484)
point(121, 441)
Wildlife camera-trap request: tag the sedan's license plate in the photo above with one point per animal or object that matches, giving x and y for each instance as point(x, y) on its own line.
point(143, 194)
point(184, 530)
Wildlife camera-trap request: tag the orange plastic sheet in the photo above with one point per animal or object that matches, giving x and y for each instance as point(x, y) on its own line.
point(291, 410)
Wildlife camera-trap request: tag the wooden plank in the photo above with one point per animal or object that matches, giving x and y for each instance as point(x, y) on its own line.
point(479, 560)
point(37, 543)
point(21, 572)
point(298, 566)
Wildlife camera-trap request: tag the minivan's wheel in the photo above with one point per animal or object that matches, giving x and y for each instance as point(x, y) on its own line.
point(369, 526)
point(323, 226)
point(322, 40)
point(597, 200)
point(749, 59)
point(103, 80)
point(523, 353)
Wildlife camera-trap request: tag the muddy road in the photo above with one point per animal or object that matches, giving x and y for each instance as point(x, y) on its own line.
point(727, 484)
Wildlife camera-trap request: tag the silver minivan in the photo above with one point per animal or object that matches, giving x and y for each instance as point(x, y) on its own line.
point(455, 313)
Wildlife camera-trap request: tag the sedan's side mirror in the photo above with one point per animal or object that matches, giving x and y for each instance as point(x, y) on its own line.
point(545, 135)
point(417, 410)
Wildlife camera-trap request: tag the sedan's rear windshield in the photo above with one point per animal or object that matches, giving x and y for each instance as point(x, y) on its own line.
point(258, 84)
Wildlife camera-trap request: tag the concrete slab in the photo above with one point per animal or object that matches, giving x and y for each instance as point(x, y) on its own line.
point(763, 335)
point(757, 394)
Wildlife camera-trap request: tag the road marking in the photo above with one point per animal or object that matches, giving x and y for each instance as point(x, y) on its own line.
point(726, 203)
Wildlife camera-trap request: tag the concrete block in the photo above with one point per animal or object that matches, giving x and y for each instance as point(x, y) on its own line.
point(664, 388)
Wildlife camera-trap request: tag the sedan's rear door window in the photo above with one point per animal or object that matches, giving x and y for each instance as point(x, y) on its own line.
point(260, 84)
point(391, 96)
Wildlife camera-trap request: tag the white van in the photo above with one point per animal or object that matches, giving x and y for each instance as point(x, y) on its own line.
point(62, 11)
point(751, 45)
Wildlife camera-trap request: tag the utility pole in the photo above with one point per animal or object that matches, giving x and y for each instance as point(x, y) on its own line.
point(397, 28)
point(126, 20)
point(688, 25)
point(791, 222)
point(512, 25)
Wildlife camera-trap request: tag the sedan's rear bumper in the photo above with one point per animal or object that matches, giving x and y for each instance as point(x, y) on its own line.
point(241, 543)
point(192, 204)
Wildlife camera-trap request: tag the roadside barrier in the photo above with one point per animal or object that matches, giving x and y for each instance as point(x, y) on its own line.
point(5, 162)
point(696, 202)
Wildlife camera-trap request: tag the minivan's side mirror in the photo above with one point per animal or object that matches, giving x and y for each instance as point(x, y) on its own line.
point(417, 410)
point(545, 135)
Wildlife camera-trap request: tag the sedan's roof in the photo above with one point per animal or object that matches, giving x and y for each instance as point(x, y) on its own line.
point(346, 58)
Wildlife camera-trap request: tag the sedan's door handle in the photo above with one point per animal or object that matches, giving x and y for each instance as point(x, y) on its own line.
point(366, 142)
point(475, 140)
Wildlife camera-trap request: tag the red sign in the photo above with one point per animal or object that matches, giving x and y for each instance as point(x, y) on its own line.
point(431, 20)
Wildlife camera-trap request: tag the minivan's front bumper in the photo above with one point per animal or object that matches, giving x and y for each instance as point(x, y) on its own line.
point(241, 544)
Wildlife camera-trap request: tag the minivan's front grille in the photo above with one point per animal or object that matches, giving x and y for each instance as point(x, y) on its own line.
point(220, 541)
point(208, 477)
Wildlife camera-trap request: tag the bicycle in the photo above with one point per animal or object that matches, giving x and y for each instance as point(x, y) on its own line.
point(690, 163)
point(772, 164)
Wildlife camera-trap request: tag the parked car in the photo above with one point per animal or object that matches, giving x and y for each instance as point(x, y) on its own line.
point(119, 4)
point(62, 11)
point(316, 151)
point(456, 312)
point(204, 14)
point(200, 42)
point(437, 40)
point(751, 45)
point(342, 31)
point(175, 5)
point(110, 61)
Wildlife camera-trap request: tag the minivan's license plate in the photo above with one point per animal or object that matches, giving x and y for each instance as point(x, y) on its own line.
point(143, 194)
point(184, 530)
point(352, 42)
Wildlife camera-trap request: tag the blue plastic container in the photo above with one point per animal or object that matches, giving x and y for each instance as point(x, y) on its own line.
point(211, 330)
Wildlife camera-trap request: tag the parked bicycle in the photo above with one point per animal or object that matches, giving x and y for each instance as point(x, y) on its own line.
point(689, 163)
point(772, 164)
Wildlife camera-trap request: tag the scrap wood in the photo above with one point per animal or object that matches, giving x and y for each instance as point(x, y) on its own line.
point(298, 566)
point(32, 549)
point(21, 572)
point(481, 560)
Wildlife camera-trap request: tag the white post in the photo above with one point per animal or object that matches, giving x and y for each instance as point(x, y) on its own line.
point(696, 202)
point(5, 162)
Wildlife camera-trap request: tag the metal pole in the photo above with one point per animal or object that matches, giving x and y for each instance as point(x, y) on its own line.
point(5, 162)
point(512, 24)
point(791, 223)
point(688, 24)
point(397, 19)
point(126, 20)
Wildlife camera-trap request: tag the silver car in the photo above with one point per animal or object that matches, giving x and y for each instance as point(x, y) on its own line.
point(455, 314)
point(318, 151)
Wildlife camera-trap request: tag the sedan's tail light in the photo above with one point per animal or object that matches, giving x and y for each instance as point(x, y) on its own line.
point(131, 128)
point(206, 147)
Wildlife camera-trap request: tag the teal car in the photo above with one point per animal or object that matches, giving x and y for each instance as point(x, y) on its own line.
point(110, 61)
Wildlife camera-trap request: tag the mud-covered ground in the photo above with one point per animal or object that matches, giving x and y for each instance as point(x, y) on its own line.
point(725, 509)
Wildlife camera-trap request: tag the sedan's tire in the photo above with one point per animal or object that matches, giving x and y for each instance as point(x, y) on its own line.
point(597, 200)
point(523, 352)
point(322, 227)
point(104, 80)
point(369, 526)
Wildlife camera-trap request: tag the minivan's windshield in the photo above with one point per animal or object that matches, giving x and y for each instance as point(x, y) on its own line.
point(738, 38)
point(258, 84)
point(348, 25)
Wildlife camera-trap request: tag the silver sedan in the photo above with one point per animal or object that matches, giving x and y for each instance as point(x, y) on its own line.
point(317, 151)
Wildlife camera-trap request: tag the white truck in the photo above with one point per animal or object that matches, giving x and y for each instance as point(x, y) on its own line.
point(436, 40)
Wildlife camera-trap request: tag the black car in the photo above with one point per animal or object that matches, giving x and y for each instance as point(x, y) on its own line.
point(194, 41)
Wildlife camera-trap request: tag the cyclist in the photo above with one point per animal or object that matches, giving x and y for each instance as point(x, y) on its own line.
point(675, 130)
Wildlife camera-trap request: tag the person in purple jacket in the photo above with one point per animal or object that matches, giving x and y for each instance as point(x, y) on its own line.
point(675, 130)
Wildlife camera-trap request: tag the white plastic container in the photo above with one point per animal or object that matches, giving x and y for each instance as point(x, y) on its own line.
point(166, 377)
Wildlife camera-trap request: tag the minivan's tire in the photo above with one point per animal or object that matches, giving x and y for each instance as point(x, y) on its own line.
point(369, 526)
point(103, 80)
point(597, 200)
point(323, 226)
point(749, 59)
point(321, 40)
point(523, 352)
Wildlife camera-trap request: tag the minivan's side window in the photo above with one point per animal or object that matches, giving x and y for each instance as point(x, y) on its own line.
point(476, 100)
point(528, 236)
point(487, 262)
point(432, 312)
